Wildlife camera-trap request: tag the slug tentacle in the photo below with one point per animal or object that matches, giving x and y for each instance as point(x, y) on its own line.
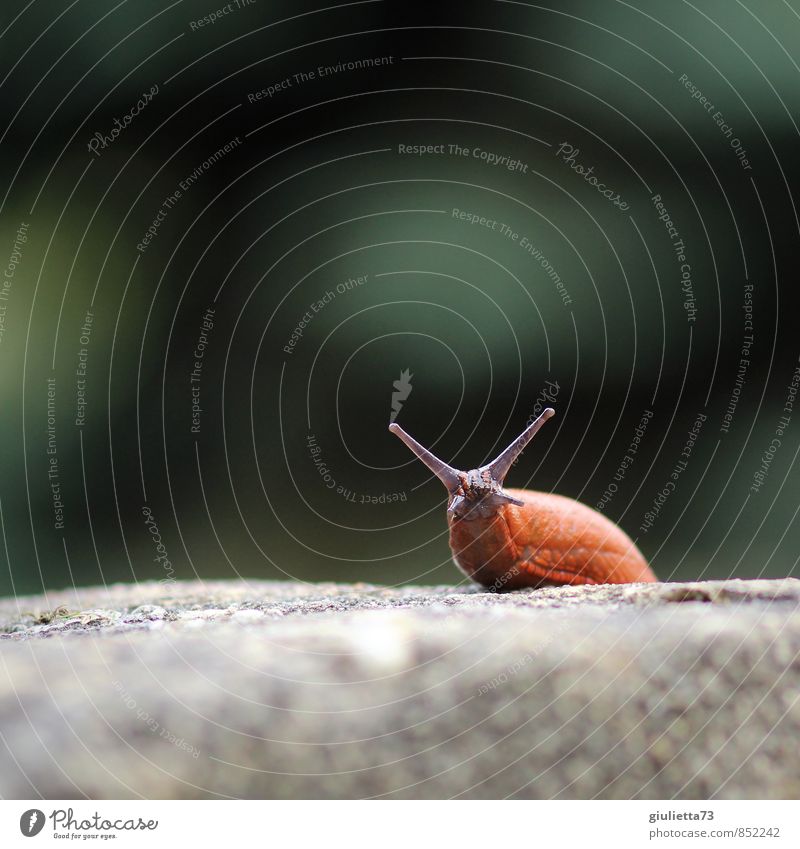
point(449, 476)
point(499, 467)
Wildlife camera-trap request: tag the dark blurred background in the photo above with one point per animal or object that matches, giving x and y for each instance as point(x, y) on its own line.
point(295, 183)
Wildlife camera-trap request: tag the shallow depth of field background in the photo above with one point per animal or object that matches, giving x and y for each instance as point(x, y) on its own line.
point(290, 470)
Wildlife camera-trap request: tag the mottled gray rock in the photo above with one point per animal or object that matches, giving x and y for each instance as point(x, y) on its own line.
point(262, 689)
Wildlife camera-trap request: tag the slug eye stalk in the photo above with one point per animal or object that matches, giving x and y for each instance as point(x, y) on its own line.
point(499, 467)
point(493, 473)
point(446, 474)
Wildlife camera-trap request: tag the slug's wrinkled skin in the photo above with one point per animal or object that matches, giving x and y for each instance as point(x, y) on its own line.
point(510, 539)
point(547, 541)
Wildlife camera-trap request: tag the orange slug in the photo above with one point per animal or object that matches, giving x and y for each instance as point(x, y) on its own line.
point(515, 538)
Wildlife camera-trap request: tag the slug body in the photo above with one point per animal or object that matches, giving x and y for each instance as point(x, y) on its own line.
point(515, 538)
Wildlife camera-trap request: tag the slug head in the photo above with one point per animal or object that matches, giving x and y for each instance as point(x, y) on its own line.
point(477, 493)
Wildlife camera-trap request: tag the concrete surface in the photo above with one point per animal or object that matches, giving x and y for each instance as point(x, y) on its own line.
point(286, 690)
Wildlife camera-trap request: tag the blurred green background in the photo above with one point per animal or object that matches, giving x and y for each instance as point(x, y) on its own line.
point(290, 451)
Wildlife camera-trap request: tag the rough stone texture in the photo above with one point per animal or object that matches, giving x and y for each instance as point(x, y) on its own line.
point(262, 689)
